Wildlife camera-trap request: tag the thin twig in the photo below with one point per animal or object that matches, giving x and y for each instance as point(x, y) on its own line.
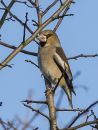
point(41, 108)
point(32, 101)
point(10, 18)
point(24, 31)
point(35, 54)
point(6, 11)
point(35, 23)
point(82, 113)
point(32, 63)
point(32, 37)
point(61, 2)
point(16, 18)
point(2, 9)
point(10, 66)
point(71, 110)
point(3, 124)
point(82, 125)
point(82, 56)
point(36, 111)
point(13, 47)
point(62, 16)
point(38, 13)
point(32, 3)
point(25, 3)
point(11, 126)
point(88, 116)
point(60, 19)
point(1, 103)
point(49, 7)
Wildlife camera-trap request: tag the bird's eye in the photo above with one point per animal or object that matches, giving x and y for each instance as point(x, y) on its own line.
point(48, 35)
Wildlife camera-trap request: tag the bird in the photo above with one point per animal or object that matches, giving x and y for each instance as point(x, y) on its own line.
point(53, 62)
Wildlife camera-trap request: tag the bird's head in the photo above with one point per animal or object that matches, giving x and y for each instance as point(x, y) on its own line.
point(48, 38)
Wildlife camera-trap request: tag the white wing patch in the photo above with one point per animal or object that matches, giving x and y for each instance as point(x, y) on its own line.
point(63, 64)
point(60, 61)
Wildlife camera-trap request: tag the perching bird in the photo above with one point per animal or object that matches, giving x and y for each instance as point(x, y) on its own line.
point(53, 62)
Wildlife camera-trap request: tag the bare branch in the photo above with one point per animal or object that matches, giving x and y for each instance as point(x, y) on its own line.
point(10, 66)
point(10, 124)
point(82, 125)
point(61, 2)
point(35, 23)
point(24, 2)
point(1, 103)
point(3, 124)
point(32, 101)
point(2, 9)
point(49, 7)
point(10, 18)
point(16, 18)
point(82, 113)
point(71, 110)
point(32, 63)
point(51, 107)
point(32, 37)
point(61, 18)
point(13, 47)
point(59, 15)
point(38, 13)
point(35, 54)
point(32, 119)
point(82, 56)
point(36, 111)
point(25, 24)
point(32, 3)
point(6, 11)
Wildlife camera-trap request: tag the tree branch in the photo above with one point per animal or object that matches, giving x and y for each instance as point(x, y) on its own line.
point(83, 56)
point(13, 47)
point(6, 12)
point(32, 37)
point(32, 63)
point(10, 66)
point(37, 111)
point(82, 125)
point(71, 110)
point(51, 107)
point(24, 2)
point(49, 7)
point(24, 31)
point(32, 101)
point(16, 18)
point(61, 18)
point(35, 54)
point(82, 113)
point(38, 13)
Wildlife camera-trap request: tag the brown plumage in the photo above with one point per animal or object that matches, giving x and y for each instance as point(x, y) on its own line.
point(53, 62)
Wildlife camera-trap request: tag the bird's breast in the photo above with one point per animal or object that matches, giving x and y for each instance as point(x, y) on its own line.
point(48, 66)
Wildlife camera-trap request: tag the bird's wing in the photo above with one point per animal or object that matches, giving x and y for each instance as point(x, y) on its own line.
point(61, 61)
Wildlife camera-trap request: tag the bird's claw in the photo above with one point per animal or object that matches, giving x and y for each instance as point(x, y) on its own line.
point(48, 91)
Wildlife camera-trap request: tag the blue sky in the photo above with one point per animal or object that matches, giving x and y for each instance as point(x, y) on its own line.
point(78, 35)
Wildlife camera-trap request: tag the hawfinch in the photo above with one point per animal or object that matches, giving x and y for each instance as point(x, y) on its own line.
point(53, 62)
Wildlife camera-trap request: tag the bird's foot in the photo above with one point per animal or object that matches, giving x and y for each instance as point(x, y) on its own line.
point(49, 91)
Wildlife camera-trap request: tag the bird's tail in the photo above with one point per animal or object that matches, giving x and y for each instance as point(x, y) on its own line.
point(69, 95)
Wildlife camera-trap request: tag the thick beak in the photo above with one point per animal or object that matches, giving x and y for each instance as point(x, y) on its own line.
point(41, 38)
